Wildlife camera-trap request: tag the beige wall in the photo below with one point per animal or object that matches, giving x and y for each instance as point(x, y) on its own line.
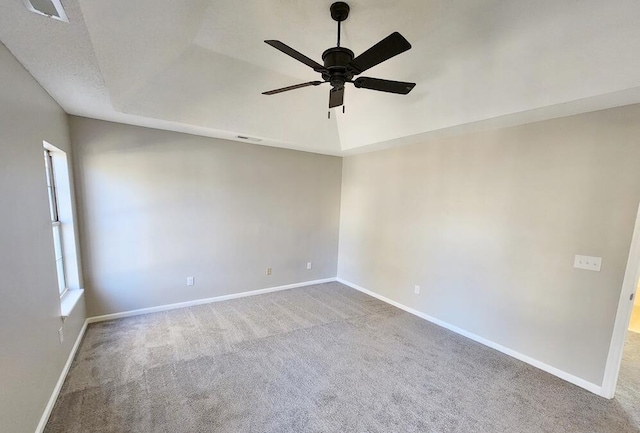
point(488, 225)
point(31, 358)
point(159, 206)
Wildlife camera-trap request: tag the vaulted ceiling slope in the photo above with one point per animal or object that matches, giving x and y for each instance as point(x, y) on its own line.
point(200, 66)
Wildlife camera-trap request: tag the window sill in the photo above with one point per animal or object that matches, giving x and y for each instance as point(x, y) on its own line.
point(69, 300)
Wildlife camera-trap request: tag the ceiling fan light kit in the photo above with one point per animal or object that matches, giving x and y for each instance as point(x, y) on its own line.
point(341, 66)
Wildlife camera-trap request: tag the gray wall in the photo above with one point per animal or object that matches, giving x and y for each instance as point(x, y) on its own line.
point(31, 358)
point(157, 206)
point(488, 225)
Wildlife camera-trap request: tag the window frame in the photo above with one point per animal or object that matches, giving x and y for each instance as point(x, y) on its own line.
point(56, 225)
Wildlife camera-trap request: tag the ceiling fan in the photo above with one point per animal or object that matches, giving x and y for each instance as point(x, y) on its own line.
point(340, 65)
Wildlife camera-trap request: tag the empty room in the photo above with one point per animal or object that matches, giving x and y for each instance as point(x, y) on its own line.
point(287, 216)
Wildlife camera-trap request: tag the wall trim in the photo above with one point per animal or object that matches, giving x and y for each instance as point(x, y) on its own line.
point(167, 307)
point(596, 389)
point(63, 375)
point(623, 314)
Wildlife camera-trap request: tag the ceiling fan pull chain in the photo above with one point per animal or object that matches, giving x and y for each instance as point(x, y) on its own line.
point(343, 109)
point(328, 114)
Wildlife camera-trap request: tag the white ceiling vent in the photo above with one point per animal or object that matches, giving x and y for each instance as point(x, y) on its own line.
point(48, 8)
point(244, 137)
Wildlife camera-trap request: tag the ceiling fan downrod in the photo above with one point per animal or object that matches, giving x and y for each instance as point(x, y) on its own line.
point(339, 12)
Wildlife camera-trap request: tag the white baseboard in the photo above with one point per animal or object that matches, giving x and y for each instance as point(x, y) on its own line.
point(63, 375)
point(204, 301)
point(596, 389)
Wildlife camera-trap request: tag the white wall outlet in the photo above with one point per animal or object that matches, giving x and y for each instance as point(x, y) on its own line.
point(587, 262)
point(61, 335)
point(309, 265)
point(416, 290)
point(268, 271)
point(190, 281)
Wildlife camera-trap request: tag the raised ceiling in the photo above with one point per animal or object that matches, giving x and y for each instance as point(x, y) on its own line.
point(200, 66)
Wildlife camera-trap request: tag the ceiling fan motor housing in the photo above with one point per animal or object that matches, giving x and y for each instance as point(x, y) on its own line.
point(336, 60)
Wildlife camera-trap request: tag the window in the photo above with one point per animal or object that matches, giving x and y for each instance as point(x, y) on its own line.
point(56, 226)
point(59, 188)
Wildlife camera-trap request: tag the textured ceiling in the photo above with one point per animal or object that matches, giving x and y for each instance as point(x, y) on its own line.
point(200, 66)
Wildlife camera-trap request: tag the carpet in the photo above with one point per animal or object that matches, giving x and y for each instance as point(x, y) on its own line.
point(323, 358)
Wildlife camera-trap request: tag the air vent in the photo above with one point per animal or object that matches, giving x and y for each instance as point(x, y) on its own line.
point(244, 137)
point(48, 8)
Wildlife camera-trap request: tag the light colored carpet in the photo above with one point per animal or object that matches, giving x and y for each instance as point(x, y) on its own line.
point(323, 358)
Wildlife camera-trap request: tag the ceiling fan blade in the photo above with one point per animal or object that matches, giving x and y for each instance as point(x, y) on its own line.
point(296, 86)
point(296, 55)
point(400, 87)
point(336, 97)
point(387, 48)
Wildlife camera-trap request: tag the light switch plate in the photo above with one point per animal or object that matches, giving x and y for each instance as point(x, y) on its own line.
point(587, 262)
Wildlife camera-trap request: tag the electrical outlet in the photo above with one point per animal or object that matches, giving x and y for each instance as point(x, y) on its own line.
point(416, 290)
point(308, 265)
point(190, 281)
point(61, 335)
point(268, 271)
